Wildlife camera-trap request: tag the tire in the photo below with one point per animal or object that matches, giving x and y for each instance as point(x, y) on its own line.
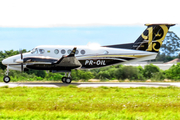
point(6, 79)
point(68, 80)
point(63, 79)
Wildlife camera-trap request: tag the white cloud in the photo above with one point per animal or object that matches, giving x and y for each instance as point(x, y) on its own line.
point(48, 13)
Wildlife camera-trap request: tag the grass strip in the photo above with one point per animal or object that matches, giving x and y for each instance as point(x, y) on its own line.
point(89, 103)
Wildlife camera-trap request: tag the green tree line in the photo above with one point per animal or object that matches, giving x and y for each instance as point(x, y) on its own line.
point(170, 48)
point(118, 72)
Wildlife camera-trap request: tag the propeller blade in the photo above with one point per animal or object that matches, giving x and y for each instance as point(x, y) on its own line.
point(22, 69)
point(20, 51)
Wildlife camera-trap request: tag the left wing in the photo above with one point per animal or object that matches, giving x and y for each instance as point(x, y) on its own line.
point(68, 61)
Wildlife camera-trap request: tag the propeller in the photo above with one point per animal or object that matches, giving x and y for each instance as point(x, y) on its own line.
point(20, 51)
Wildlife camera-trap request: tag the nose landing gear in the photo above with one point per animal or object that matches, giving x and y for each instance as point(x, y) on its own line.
point(6, 78)
point(67, 79)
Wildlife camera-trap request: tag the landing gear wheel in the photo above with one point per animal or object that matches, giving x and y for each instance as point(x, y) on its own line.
point(6, 79)
point(63, 79)
point(68, 80)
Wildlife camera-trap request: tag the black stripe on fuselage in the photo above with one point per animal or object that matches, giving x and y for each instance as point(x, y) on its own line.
point(92, 63)
point(50, 67)
point(36, 59)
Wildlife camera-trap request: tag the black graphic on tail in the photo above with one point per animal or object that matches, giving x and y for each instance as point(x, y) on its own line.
point(150, 40)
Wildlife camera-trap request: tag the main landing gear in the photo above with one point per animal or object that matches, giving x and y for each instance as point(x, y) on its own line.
point(6, 78)
point(67, 79)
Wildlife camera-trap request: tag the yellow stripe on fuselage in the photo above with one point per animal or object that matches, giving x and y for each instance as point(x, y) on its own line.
point(130, 56)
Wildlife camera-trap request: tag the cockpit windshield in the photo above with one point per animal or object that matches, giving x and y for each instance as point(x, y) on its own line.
point(34, 51)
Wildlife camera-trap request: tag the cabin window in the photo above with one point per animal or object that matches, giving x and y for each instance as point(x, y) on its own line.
point(69, 51)
point(83, 52)
point(56, 51)
point(77, 52)
point(41, 51)
point(63, 51)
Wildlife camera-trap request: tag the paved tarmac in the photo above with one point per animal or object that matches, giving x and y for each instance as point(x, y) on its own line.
point(92, 84)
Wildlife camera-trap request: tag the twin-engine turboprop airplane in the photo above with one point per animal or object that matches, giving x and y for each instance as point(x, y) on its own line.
point(56, 58)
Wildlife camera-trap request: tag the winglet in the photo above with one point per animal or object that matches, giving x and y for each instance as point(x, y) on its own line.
point(70, 55)
point(72, 52)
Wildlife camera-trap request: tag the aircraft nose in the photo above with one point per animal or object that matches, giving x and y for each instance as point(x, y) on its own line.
point(4, 62)
point(7, 61)
point(10, 60)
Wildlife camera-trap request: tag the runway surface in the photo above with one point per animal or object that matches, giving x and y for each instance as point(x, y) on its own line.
point(91, 84)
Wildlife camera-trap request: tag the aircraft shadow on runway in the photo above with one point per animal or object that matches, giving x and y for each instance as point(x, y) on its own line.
point(49, 84)
point(46, 84)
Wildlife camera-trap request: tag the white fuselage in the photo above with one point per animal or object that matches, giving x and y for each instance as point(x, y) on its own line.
point(92, 55)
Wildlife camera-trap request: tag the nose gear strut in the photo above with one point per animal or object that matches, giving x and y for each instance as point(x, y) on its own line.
point(6, 78)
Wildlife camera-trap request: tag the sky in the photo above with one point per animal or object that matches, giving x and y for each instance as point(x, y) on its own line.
point(25, 24)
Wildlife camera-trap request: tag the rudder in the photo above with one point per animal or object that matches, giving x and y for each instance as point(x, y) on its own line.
point(152, 38)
